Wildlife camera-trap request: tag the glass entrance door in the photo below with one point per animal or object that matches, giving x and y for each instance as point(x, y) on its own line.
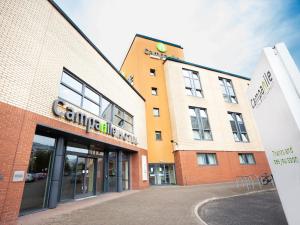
point(162, 174)
point(78, 177)
point(84, 177)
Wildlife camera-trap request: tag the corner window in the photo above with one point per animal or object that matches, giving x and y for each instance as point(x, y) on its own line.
point(246, 158)
point(77, 92)
point(207, 159)
point(154, 91)
point(227, 90)
point(200, 123)
point(192, 83)
point(158, 135)
point(238, 127)
point(152, 72)
point(155, 111)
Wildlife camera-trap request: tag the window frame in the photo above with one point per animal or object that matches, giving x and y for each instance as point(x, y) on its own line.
point(239, 131)
point(200, 123)
point(223, 80)
point(158, 112)
point(207, 159)
point(192, 80)
point(100, 97)
point(246, 157)
point(152, 72)
point(155, 90)
point(158, 132)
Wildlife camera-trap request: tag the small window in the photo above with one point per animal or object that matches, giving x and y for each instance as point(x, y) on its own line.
point(207, 159)
point(246, 158)
point(158, 135)
point(155, 111)
point(152, 72)
point(154, 91)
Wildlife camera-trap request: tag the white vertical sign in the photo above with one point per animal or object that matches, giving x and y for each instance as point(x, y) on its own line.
point(275, 100)
point(144, 168)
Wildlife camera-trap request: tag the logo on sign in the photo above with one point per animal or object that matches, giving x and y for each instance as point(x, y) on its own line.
point(264, 88)
point(161, 47)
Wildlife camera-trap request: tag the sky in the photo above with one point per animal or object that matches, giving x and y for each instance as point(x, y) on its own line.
point(227, 35)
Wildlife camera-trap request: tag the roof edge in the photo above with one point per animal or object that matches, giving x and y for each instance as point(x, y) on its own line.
point(158, 40)
point(205, 67)
point(61, 12)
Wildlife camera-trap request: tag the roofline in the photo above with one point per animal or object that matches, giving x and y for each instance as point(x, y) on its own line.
point(92, 44)
point(149, 38)
point(205, 67)
point(158, 40)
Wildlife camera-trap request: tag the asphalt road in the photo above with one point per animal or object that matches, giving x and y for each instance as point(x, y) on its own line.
point(263, 208)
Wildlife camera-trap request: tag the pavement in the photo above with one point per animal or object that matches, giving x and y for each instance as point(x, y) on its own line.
point(159, 205)
point(262, 208)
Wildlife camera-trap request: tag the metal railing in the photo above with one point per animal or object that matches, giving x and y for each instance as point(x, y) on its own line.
point(251, 182)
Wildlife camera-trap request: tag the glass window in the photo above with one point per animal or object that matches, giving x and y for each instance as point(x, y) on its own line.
point(36, 179)
point(84, 96)
point(238, 127)
point(158, 135)
point(69, 95)
point(106, 109)
point(200, 124)
point(71, 82)
point(154, 91)
point(227, 90)
point(246, 158)
point(155, 111)
point(152, 72)
point(90, 106)
point(207, 159)
point(192, 83)
point(91, 95)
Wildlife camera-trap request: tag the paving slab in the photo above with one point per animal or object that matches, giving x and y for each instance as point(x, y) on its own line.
point(157, 205)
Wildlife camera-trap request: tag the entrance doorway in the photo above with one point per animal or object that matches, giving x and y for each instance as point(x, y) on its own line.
point(162, 174)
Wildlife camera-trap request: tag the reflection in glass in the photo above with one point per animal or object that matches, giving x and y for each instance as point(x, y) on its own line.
point(35, 189)
point(106, 109)
point(69, 177)
point(125, 171)
point(90, 106)
point(69, 95)
point(70, 81)
point(112, 172)
point(99, 181)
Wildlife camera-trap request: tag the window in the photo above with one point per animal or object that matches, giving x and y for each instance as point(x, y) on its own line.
point(122, 119)
point(200, 124)
point(227, 90)
point(154, 91)
point(192, 83)
point(207, 158)
point(158, 135)
point(238, 127)
point(84, 96)
point(246, 158)
point(155, 111)
point(152, 72)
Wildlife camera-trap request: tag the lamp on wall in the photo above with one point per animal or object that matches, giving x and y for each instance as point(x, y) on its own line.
point(174, 142)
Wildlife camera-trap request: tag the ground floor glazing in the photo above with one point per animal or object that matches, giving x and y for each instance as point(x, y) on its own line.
point(63, 167)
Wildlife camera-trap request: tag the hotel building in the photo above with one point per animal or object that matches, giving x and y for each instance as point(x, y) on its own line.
point(200, 128)
point(71, 125)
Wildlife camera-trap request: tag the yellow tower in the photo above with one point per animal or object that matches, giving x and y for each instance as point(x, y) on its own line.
point(143, 65)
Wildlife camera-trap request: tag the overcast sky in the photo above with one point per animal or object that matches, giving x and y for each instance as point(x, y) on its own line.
point(227, 35)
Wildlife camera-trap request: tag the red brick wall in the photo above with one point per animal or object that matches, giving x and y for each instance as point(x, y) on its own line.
point(188, 171)
point(136, 171)
point(17, 128)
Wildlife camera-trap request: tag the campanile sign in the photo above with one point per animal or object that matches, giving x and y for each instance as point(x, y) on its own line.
point(274, 96)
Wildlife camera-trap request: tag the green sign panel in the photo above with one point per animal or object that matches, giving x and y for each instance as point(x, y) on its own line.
point(161, 47)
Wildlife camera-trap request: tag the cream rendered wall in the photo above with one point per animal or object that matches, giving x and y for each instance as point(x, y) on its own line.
point(216, 107)
point(36, 42)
